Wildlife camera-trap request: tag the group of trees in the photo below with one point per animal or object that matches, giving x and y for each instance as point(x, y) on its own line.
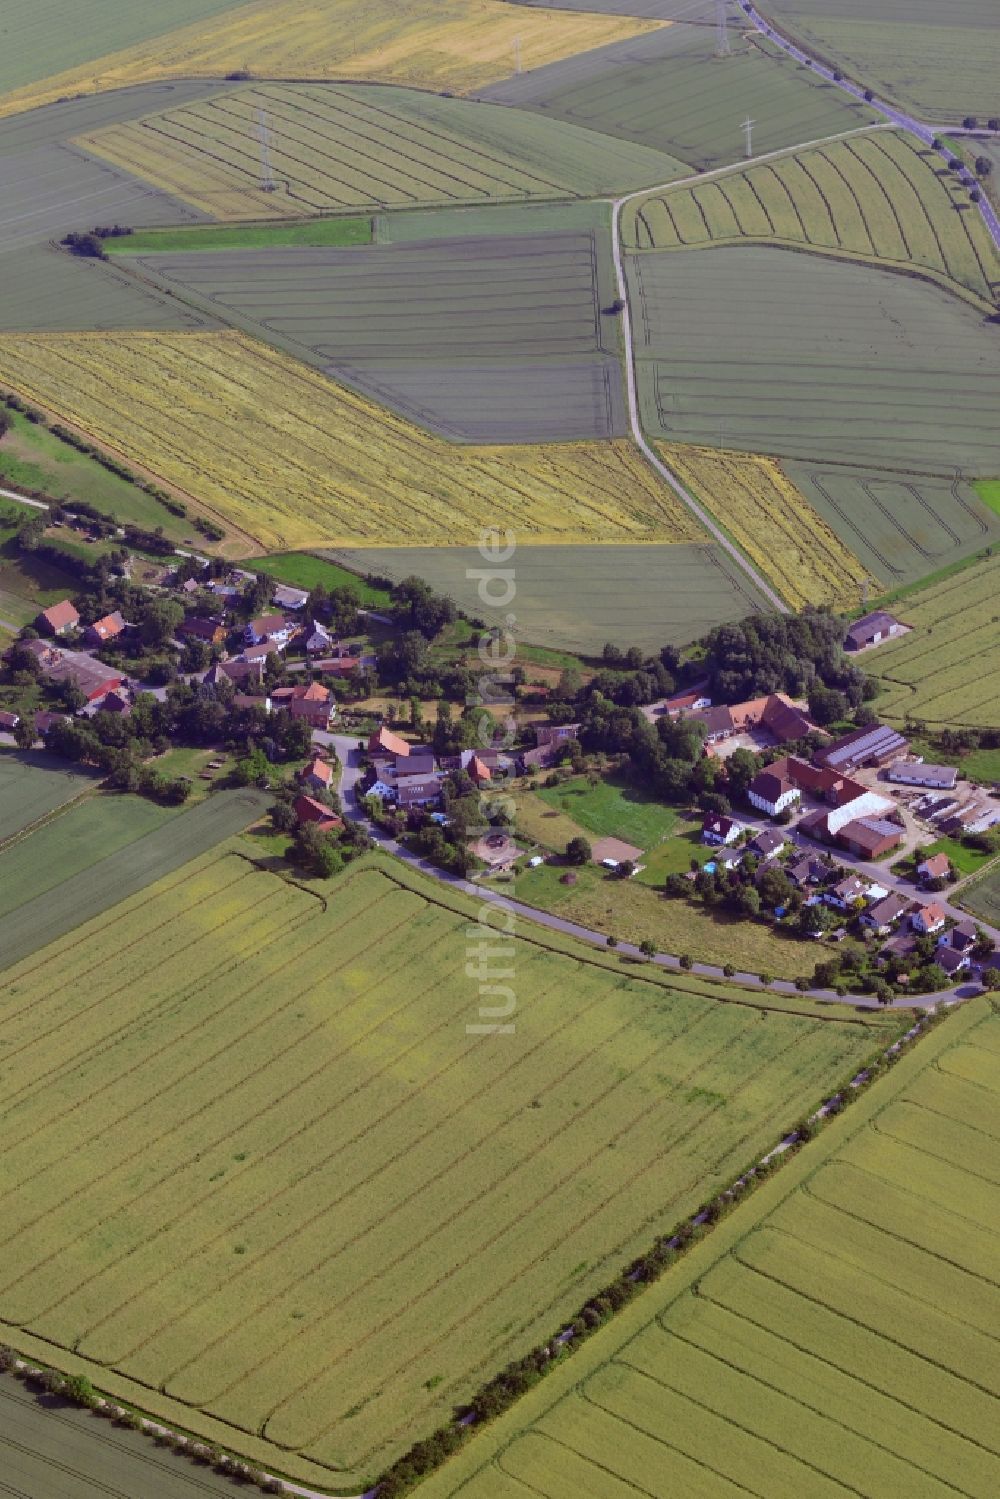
point(795, 653)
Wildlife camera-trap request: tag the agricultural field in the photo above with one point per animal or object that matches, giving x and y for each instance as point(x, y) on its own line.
point(503, 339)
point(98, 853)
point(982, 897)
point(940, 61)
point(294, 461)
point(754, 500)
point(670, 92)
point(452, 45)
point(43, 290)
point(944, 671)
point(32, 787)
point(719, 367)
point(579, 598)
point(879, 197)
point(338, 147)
point(834, 1335)
point(900, 526)
point(206, 1235)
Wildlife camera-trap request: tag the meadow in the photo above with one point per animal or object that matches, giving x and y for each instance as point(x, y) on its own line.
point(759, 506)
point(879, 197)
point(730, 355)
point(337, 147)
point(944, 672)
point(499, 339)
point(28, 583)
point(580, 597)
point(311, 233)
point(208, 1233)
point(294, 461)
point(901, 526)
point(834, 1335)
point(670, 92)
point(32, 787)
point(439, 44)
point(97, 853)
point(612, 809)
point(301, 570)
point(942, 63)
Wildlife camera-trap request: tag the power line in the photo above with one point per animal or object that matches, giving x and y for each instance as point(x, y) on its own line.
point(748, 125)
point(722, 47)
point(263, 136)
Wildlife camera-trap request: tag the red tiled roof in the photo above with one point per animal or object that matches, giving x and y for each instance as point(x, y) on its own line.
point(385, 739)
point(307, 809)
point(60, 616)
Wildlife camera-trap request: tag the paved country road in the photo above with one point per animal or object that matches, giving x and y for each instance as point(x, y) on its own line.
point(346, 746)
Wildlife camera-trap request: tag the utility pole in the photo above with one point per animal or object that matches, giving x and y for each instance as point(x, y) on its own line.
point(266, 175)
point(722, 47)
point(748, 125)
point(517, 54)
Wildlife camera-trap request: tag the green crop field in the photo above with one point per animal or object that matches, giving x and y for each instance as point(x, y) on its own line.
point(901, 526)
point(59, 34)
point(313, 233)
point(612, 809)
point(43, 289)
point(257, 1168)
point(579, 598)
point(944, 672)
point(31, 787)
point(500, 339)
point(941, 61)
point(337, 146)
point(669, 91)
point(982, 897)
point(96, 853)
point(835, 1335)
point(764, 350)
point(879, 197)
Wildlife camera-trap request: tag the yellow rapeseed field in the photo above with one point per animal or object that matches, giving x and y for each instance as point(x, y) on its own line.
point(294, 460)
point(774, 524)
point(442, 44)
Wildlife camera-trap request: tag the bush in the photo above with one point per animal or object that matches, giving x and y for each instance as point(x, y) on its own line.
point(728, 970)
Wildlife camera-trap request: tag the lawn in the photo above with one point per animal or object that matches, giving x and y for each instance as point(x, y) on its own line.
point(445, 45)
point(966, 860)
point(673, 855)
point(99, 852)
point(336, 232)
point(336, 146)
point(293, 460)
point(258, 1170)
point(880, 197)
point(819, 1340)
point(612, 809)
point(301, 570)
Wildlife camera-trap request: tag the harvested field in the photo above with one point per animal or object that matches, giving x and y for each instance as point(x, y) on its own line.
point(32, 786)
point(670, 92)
point(945, 670)
point(334, 146)
point(579, 598)
point(482, 340)
point(101, 852)
point(55, 35)
point(879, 197)
point(775, 525)
point(900, 526)
point(941, 62)
point(295, 461)
point(835, 1335)
point(46, 290)
point(210, 1229)
point(440, 44)
point(982, 897)
point(825, 361)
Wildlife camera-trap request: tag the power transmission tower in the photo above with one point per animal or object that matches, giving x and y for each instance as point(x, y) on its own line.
point(722, 47)
point(748, 125)
point(266, 175)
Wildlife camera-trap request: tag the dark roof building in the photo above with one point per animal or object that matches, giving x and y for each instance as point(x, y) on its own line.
point(870, 837)
point(878, 745)
point(873, 629)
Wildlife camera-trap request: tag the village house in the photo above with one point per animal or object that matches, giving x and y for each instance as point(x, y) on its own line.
point(767, 844)
point(312, 702)
point(241, 673)
point(387, 742)
point(775, 713)
point(90, 676)
point(720, 830)
point(851, 890)
point(869, 837)
point(58, 619)
point(873, 629)
point(318, 640)
point(937, 867)
point(877, 745)
point(809, 869)
point(317, 775)
point(952, 961)
point(307, 809)
point(286, 597)
point(103, 630)
point(883, 917)
point(928, 919)
point(772, 792)
point(270, 627)
point(961, 937)
point(260, 652)
point(916, 773)
point(9, 721)
point(197, 627)
point(417, 791)
point(116, 702)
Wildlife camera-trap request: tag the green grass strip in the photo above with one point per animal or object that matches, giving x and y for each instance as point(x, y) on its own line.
point(343, 232)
